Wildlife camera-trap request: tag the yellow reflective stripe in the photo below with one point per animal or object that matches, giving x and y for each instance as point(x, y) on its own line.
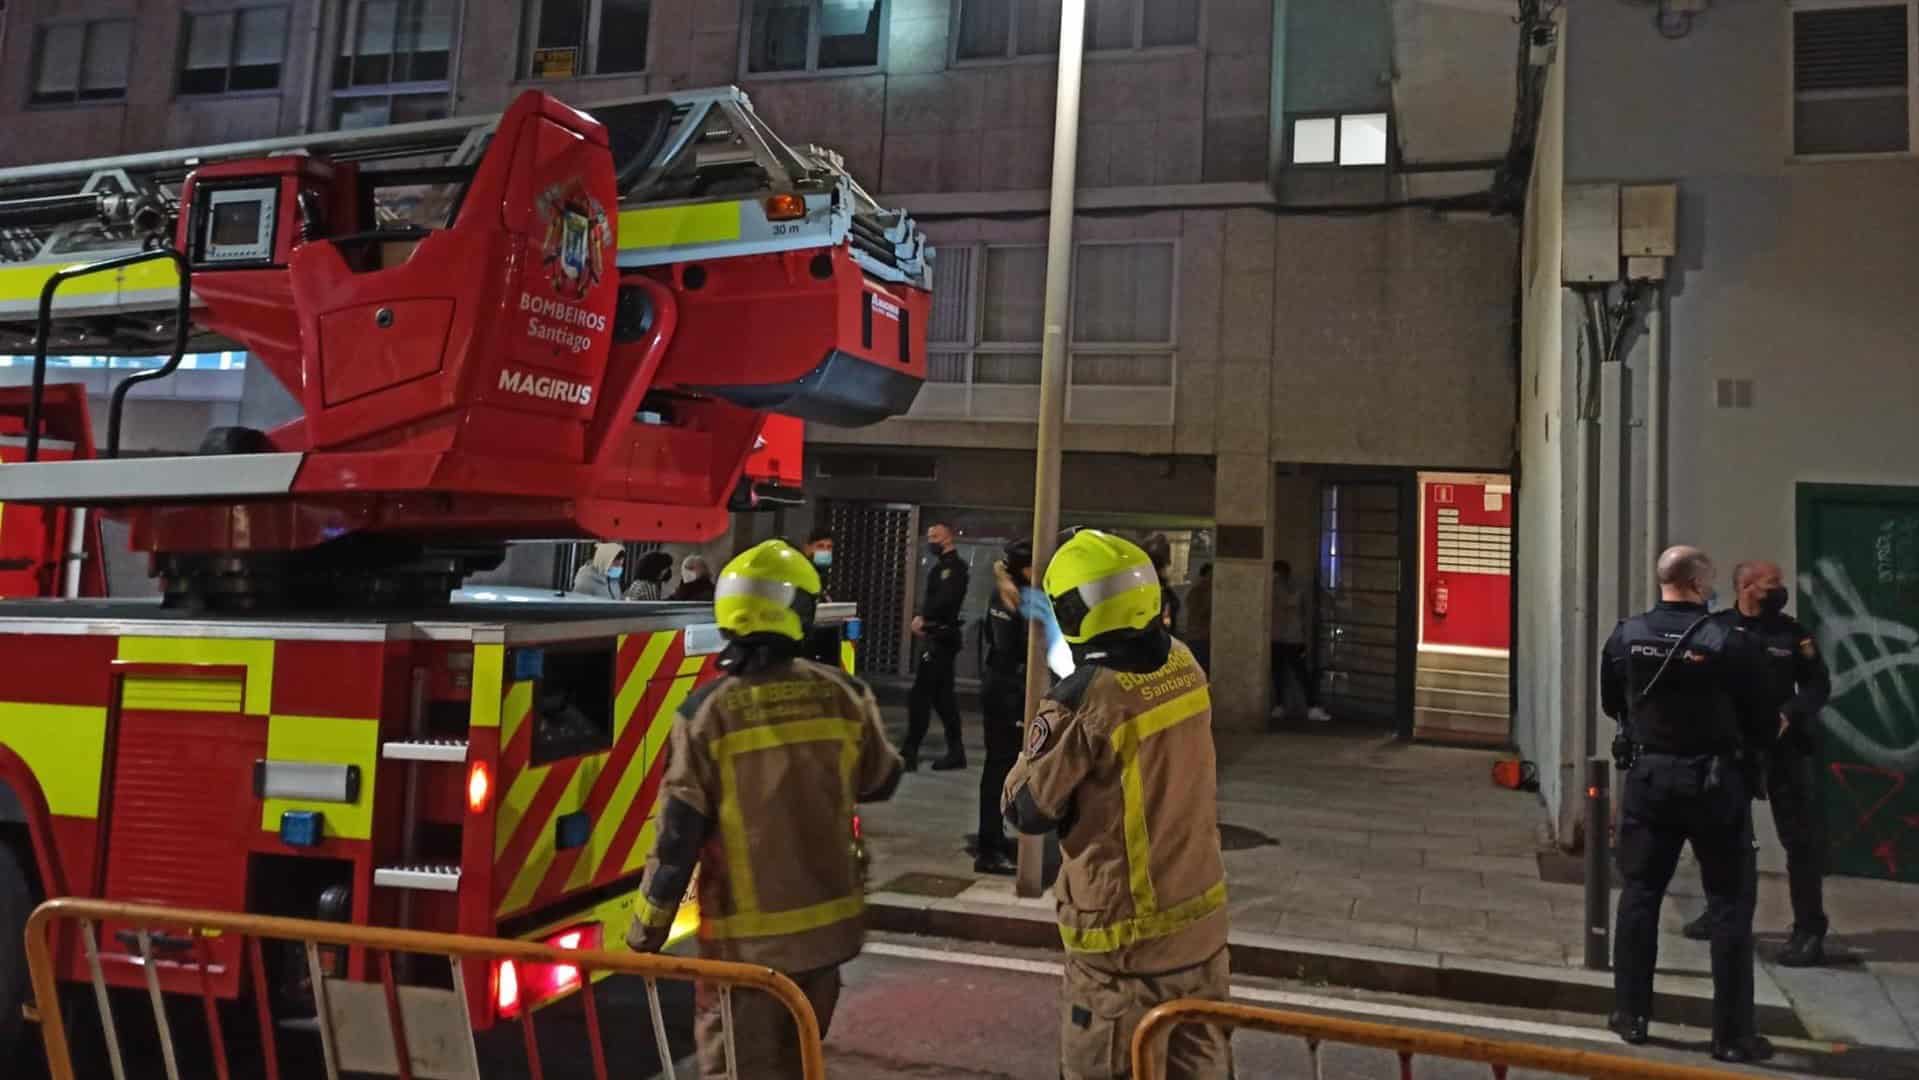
point(1139, 846)
point(1126, 742)
point(64, 746)
point(656, 739)
point(1105, 939)
point(847, 656)
point(739, 861)
point(333, 741)
point(752, 924)
point(670, 226)
point(25, 282)
point(489, 670)
point(648, 914)
point(255, 655)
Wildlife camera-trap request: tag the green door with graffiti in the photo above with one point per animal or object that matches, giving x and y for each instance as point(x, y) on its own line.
point(1858, 563)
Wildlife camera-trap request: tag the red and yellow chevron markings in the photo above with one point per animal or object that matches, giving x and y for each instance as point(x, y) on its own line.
point(615, 789)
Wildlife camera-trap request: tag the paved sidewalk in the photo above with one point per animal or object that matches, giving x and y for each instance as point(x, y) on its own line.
point(1364, 861)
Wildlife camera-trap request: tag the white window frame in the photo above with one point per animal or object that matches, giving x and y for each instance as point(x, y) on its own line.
point(1014, 56)
point(1912, 82)
point(349, 32)
point(233, 44)
point(812, 70)
point(86, 35)
point(1339, 135)
point(528, 35)
point(977, 344)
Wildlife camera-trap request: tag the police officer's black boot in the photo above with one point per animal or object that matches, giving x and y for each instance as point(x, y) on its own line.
point(1804, 949)
point(1740, 1051)
point(1630, 1029)
point(1698, 929)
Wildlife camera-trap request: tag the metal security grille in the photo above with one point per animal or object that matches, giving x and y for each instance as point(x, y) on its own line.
point(1357, 639)
point(872, 567)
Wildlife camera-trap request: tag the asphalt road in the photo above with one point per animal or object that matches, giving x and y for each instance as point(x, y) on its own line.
point(939, 1010)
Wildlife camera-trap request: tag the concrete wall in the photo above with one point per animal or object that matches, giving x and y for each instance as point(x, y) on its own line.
point(151, 117)
point(1794, 274)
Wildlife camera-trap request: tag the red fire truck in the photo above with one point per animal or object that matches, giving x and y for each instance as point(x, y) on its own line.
point(545, 324)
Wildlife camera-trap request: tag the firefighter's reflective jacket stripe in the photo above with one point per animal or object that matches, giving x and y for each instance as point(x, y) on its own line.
point(747, 920)
point(1148, 921)
point(615, 789)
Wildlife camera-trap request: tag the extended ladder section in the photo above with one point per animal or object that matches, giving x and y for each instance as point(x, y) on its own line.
point(704, 148)
point(539, 324)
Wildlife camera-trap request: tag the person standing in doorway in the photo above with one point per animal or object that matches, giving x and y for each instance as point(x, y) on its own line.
point(696, 580)
point(1199, 619)
point(1688, 691)
point(1798, 688)
point(1289, 645)
point(601, 577)
point(939, 628)
point(1002, 700)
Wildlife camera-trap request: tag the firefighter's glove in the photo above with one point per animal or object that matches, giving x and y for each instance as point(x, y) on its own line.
point(1038, 607)
point(642, 938)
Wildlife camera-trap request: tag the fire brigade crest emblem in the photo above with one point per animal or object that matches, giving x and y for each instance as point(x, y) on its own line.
point(578, 239)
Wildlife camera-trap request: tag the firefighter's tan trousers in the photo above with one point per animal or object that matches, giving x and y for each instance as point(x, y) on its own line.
point(1099, 1011)
point(765, 1042)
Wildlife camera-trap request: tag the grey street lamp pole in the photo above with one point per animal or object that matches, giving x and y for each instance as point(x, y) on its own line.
point(1052, 369)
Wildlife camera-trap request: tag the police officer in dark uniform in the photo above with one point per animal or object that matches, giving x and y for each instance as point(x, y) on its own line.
point(940, 630)
point(1688, 693)
point(1797, 689)
point(1002, 700)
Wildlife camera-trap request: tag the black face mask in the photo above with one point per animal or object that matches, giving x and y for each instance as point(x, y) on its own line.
point(934, 550)
point(1774, 601)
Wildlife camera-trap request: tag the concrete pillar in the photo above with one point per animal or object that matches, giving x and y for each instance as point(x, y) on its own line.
point(1243, 593)
point(1243, 477)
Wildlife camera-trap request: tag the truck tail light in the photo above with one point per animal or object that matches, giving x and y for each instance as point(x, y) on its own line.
point(787, 207)
point(479, 787)
point(506, 988)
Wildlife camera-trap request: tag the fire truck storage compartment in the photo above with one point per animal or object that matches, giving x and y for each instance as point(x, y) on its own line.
point(179, 810)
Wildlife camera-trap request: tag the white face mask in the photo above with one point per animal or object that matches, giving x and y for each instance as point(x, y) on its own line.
point(689, 576)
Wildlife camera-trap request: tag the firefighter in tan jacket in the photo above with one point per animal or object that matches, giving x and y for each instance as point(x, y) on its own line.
point(764, 766)
point(1119, 759)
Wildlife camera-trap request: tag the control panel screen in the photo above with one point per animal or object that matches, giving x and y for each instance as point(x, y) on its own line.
point(238, 225)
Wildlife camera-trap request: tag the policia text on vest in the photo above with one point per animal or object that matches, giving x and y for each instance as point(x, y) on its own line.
point(1689, 694)
point(1119, 760)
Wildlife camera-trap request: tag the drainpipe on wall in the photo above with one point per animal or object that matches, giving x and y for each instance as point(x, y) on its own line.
point(1655, 508)
point(311, 80)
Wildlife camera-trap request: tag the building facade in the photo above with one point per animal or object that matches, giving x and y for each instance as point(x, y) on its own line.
point(1289, 315)
point(1782, 424)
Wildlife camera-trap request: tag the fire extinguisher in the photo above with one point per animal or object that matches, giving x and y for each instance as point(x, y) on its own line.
point(1441, 598)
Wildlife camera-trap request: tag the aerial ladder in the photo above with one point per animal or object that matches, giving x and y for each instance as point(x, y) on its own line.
point(545, 324)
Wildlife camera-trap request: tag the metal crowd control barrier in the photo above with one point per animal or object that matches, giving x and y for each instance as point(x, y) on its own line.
point(363, 1026)
point(1150, 1041)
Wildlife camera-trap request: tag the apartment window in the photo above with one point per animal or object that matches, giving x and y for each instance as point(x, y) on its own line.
point(569, 38)
point(1352, 139)
point(987, 324)
point(232, 51)
point(395, 63)
point(813, 35)
point(81, 61)
point(995, 29)
point(1852, 85)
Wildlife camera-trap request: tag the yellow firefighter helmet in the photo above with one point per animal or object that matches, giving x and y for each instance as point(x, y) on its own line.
point(1100, 583)
point(769, 588)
